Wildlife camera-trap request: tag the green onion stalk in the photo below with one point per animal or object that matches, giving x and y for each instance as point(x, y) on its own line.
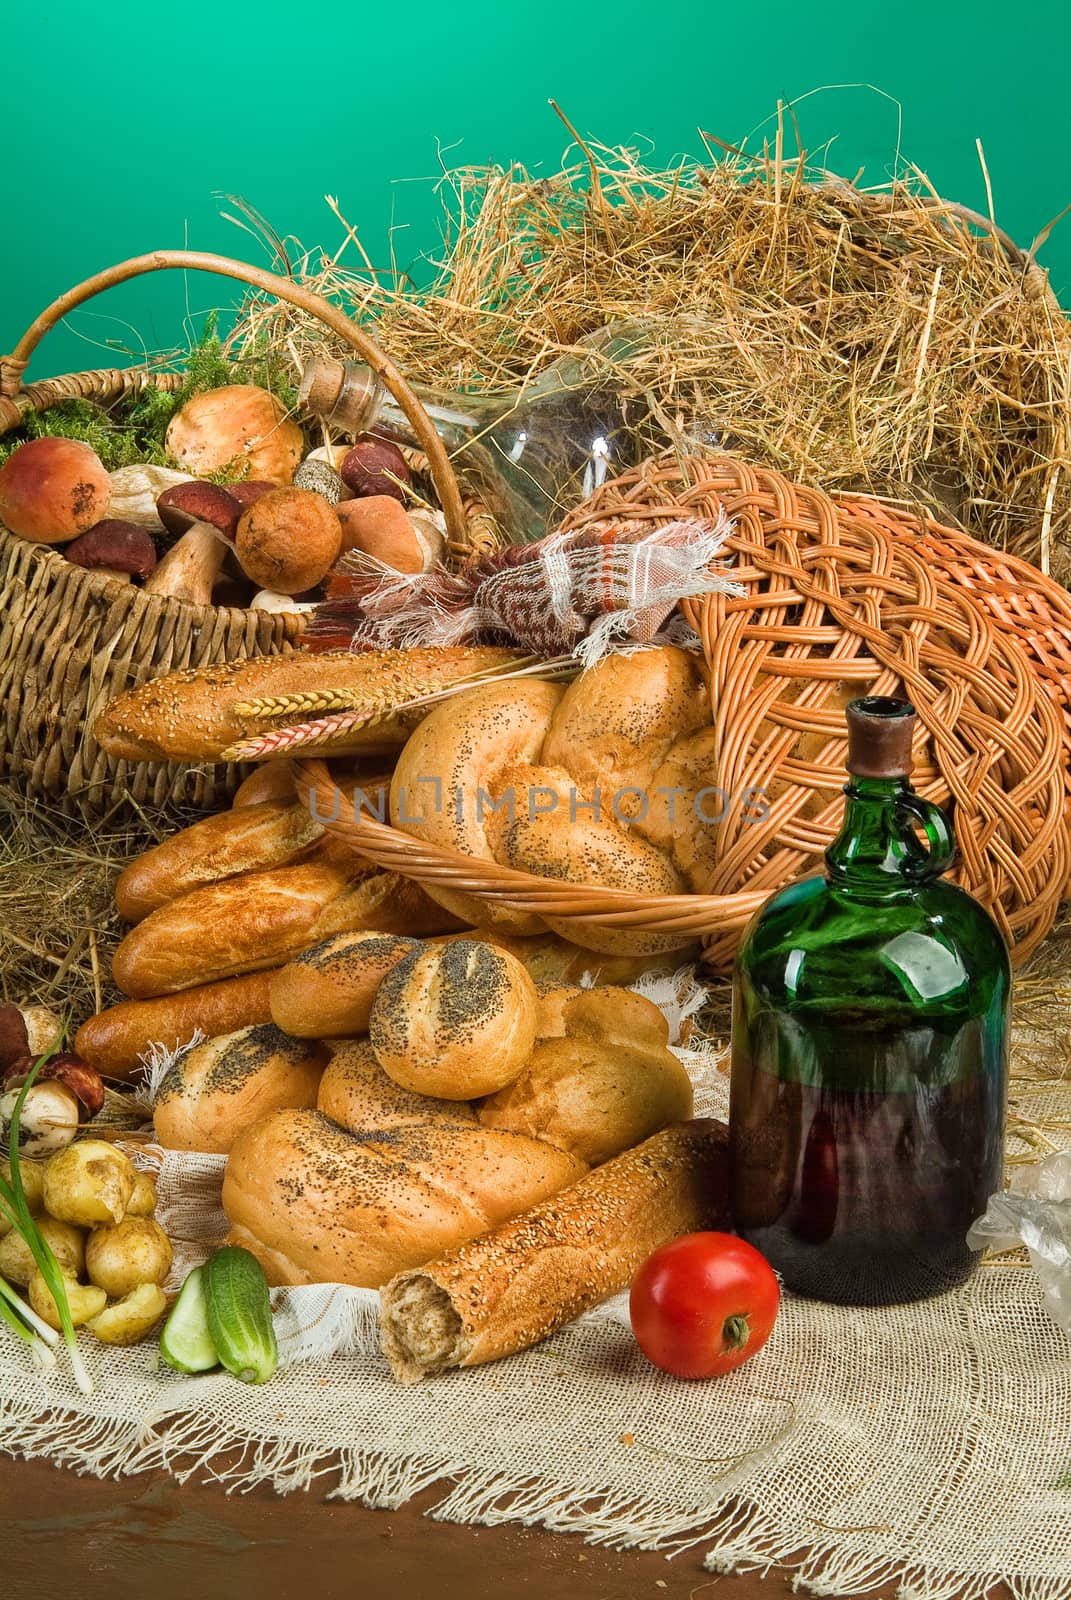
point(17, 1210)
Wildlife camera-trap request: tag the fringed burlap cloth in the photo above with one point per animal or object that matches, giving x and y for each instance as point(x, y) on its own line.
point(928, 1444)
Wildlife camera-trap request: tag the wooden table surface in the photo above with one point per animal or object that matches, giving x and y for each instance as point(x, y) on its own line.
point(149, 1538)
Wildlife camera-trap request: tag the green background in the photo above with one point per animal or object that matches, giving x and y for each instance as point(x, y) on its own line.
point(124, 121)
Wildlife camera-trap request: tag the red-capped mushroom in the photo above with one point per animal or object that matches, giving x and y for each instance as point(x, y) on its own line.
point(206, 515)
point(119, 548)
point(247, 494)
point(53, 489)
point(288, 541)
point(375, 466)
point(66, 1093)
point(237, 424)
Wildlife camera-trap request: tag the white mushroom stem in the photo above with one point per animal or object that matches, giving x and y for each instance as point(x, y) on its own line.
point(136, 489)
point(49, 1119)
point(268, 600)
point(191, 567)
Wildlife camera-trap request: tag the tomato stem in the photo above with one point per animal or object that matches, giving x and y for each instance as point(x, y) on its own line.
point(736, 1332)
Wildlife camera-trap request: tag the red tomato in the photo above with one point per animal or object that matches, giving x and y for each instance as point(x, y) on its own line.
point(703, 1304)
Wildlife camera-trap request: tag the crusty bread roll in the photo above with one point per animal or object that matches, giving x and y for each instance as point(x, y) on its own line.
point(570, 842)
point(192, 716)
point(316, 1204)
point(551, 960)
point(617, 721)
point(553, 1004)
point(263, 920)
point(606, 1084)
point(252, 839)
point(510, 1288)
point(218, 1088)
point(356, 1093)
point(446, 779)
point(327, 991)
point(454, 1020)
point(273, 780)
point(115, 1040)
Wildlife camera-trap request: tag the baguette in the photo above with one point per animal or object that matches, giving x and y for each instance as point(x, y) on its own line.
point(514, 1286)
point(192, 716)
point(254, 838)
point(115, 1040)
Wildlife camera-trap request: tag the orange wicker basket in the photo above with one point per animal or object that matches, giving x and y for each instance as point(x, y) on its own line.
point(847, 595)
point(70, 639)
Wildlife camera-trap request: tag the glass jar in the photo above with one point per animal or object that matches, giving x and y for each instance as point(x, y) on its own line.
point(869, 1048)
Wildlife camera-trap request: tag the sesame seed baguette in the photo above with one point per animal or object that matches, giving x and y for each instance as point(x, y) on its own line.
point(115, 1040)
point(192, 715)
point(512, 1287)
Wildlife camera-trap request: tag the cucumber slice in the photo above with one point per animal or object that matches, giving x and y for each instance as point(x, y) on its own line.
point(186, 1343)
point(239, 1314)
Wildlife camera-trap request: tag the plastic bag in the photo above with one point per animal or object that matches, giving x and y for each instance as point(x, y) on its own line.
point(1036, 1213)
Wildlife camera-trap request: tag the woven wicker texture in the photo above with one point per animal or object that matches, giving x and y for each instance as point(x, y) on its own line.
point(843, 598)
point(71, 640)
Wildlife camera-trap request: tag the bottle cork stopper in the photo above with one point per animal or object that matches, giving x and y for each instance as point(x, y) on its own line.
point(342, 393)
point(321, 385)
point(880, 731)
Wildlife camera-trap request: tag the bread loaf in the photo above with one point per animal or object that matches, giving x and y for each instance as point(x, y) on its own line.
point(263, 920)
point(454, 1020)
point(608, 1083)
point(272, 780)
point(316, 1204)
point(115, 1040)
point(193, 716)
point(255, 838)
point(327, 991)
point(218, 1088)
point(510, 1288)
point(356, 1093)
point(447, 779)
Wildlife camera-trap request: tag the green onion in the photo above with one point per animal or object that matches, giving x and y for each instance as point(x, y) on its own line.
point(13, 1197)
point(27, 1325)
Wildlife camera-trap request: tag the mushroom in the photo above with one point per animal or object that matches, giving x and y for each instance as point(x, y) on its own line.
point(53, 489)
point(268, 600)
point(322, 478)
point(378, 526)
point(237, 424)
point(289, 540)
point(375, 466)
point(65, 1093)
point(136, 489)
point(114, 547)
point(206, 516)
point(249, 492)
point(333, 455)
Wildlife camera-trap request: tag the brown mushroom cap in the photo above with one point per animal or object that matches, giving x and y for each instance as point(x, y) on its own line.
point(379, 527)
point(119, 546)
point(53, 489)
point(372, 466)
point(288, 540)
point(239, 424)
point(179, 508)
point(84, 1081)
point(250, 491)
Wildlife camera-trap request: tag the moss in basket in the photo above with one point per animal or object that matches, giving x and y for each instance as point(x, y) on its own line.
point(134, 431)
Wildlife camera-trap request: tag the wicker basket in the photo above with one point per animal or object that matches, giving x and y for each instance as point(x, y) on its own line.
point(839, 593)
point(70, 640)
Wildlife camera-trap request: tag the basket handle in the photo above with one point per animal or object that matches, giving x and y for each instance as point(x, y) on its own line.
point(13, 366)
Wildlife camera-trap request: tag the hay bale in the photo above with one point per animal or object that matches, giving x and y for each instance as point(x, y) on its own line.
point(887, 341)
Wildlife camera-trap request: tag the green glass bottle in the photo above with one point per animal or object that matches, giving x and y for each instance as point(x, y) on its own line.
point(869, 1048)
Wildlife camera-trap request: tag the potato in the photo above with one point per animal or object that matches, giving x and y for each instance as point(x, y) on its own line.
point(118, 1258)
point(85, 1300)
point(132, 1317)
point(142, 1202)
point(67, 1244)
point(33, 1181)
point(89, 1182)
